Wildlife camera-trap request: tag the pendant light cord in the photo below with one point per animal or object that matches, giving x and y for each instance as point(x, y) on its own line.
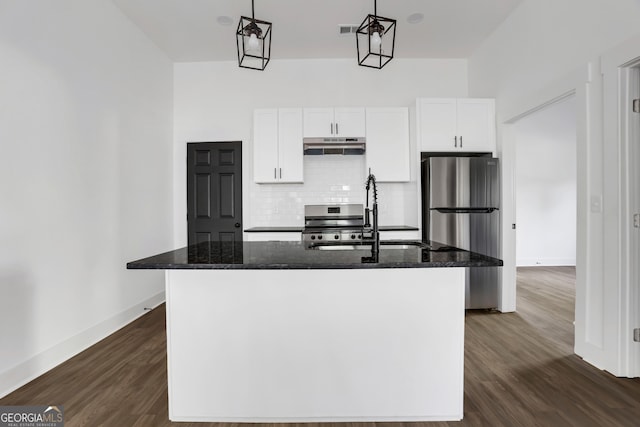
point(375, 7)
point(253, 14)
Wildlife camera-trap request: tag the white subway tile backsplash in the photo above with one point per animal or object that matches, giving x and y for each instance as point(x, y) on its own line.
point(327, 179)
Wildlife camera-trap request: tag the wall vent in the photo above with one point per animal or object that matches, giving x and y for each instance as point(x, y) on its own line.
point(344, 30)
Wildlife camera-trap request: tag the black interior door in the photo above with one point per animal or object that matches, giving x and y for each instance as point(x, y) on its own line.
point(214, 192)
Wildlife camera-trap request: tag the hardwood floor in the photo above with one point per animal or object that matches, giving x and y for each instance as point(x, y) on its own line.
point(520, 370)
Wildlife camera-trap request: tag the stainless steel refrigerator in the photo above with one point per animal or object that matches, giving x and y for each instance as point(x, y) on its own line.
point(460, 208)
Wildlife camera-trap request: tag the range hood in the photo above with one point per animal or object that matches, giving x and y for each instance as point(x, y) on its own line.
point(323, 146)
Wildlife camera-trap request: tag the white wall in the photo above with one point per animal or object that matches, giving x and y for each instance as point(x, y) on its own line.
point(546, 186)
point(543, 50)
point(215, 102)
point(85, 181)
point(543, 40)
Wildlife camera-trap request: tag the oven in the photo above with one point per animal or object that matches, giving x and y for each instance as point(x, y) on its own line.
point(338, 224)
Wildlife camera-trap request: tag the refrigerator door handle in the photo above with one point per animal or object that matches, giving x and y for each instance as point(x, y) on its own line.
point(465, 210)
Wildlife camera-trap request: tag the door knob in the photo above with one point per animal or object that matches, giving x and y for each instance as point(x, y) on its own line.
point(237, 224)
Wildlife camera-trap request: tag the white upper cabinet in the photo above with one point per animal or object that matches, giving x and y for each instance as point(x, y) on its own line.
point(476, 124)
point(334, 122)
point(318, 122)
point(265, 145)
point(449, 124)
point(350, 122)
point(387, 150)
point(437, 124)
point(290, 162)
point(277, 145)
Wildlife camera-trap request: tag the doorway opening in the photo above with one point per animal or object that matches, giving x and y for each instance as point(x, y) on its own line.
point(545, 201)
point(546, 186)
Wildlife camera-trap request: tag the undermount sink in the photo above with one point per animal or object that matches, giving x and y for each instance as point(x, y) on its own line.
point(384, 244)
point(404, 244)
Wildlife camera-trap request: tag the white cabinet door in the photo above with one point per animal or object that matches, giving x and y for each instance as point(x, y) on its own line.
point(290, 161)
point(277, 145)
point(333, 123)
point(318, 122)
point(437, 124)
point(476, 127)
point(449, 124)
point(265, 145)
point(349, 122)
point(388, 144)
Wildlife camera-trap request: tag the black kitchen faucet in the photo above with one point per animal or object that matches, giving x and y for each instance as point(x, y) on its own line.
point(375, 244)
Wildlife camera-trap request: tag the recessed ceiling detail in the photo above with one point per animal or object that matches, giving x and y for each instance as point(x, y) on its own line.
point(415, 18)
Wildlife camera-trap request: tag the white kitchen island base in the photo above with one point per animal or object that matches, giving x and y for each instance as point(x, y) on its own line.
point(311, 345)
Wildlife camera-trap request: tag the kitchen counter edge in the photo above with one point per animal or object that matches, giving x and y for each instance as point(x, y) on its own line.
point(299, 229)
point(295, 257)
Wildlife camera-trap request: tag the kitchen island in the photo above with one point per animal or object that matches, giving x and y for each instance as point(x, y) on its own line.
point(274, 332)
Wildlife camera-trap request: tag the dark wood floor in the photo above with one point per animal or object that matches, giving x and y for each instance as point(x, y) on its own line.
point(519, 371)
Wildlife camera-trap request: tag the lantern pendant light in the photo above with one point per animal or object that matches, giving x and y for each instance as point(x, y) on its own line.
point(375, 40)
point(253, 41)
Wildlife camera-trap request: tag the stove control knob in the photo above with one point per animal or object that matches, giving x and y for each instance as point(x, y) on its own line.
point(320, 237)
point(353, 236)
point(359, 236)
point(313, 237)
point(336, 237)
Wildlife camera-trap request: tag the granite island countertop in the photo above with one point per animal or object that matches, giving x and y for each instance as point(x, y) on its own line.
point(278, 255)
point(299, 228)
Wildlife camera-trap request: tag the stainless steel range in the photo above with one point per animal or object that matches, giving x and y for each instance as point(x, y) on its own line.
point(339, 223)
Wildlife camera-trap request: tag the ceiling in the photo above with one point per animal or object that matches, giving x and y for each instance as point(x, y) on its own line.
point(188, 30)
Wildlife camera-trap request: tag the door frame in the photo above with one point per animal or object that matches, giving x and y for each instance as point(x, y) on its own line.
point(622, 68)
point(619, 74)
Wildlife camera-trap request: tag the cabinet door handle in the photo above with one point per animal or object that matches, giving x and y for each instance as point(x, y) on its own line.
point(331, 128)
point(337, 131)
point(455, 141)
point(274, 173)
point(460, 142)
point(280, 173)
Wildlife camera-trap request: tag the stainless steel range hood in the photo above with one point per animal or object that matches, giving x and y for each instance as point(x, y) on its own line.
point(343, 146)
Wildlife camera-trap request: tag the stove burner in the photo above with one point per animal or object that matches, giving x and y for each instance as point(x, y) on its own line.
point(334, 223)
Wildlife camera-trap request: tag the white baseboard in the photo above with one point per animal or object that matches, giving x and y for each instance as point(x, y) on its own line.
point(32, 368)
point(540, 262)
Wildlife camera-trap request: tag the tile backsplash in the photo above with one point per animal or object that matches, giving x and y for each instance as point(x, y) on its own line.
point(327, 179)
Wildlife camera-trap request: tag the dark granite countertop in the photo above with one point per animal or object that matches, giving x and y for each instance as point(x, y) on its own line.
point(299, 229)
point(293, 255)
